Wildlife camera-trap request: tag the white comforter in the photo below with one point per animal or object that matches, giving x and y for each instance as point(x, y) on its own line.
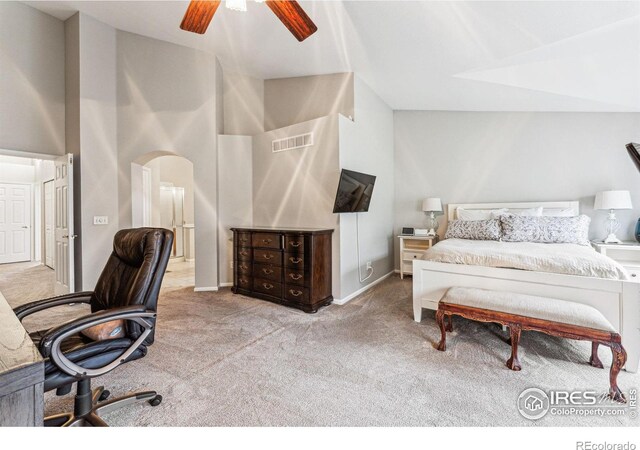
point(570, 259)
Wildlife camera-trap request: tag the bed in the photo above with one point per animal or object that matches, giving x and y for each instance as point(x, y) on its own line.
point(603, 285)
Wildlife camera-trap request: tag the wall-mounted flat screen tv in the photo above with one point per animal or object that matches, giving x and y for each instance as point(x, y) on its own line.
point(354, 192)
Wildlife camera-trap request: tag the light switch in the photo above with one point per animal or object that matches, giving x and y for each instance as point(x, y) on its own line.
point(100, 220)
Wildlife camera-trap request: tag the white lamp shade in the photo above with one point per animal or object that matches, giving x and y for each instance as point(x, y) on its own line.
point(613, 200)
point(431, 204)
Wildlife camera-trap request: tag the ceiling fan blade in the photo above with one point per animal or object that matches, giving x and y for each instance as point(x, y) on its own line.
point(293, 17)
point(199, 15)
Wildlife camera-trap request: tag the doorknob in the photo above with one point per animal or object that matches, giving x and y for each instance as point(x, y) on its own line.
point(24, 226)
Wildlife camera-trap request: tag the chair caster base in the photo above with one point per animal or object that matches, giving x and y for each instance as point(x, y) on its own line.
point(99, 406)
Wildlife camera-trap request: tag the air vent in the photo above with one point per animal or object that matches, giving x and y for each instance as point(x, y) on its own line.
point(292, 143)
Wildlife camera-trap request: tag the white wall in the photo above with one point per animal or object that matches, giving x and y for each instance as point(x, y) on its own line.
point(366, 145)
point(167, 103)
point(296, 188)
point(32, 84)
point(243, 104)
point(235, 196)
point(500, 157)
point(288, 101)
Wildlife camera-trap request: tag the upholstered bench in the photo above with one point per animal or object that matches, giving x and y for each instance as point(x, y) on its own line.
point(527, 312)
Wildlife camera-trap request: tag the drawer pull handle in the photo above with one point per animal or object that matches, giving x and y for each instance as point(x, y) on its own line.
point(267, 256)
point(295, 244)
point(295, 260)
point(633, 274)
point(244, 267)
point(295, 276)
point(244, 240)
point(267, 271)
point(242, 281)
point(243, 253)
point(295, 293)
point(267, 286)
point(266, 241)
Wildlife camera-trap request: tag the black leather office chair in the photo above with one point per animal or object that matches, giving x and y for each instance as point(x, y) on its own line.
point(127, 289)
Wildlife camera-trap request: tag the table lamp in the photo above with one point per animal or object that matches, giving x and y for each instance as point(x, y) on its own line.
point(432, 206)
point(612, 200)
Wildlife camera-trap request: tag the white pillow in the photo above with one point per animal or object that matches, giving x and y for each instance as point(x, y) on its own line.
point(479, 214)
point(529, 212)
point(553, 212)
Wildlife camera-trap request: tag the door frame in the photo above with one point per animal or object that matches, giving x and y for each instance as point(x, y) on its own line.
point(43, 228)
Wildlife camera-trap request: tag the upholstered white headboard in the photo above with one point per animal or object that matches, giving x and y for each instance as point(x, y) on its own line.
point(452, 207)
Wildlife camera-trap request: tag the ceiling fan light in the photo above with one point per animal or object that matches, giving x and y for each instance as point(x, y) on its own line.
point(237, 5)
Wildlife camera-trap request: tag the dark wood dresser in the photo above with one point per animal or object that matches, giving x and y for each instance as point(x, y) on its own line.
point(290, 267)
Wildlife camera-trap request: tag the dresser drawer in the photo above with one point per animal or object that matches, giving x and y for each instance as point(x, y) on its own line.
point(294, 276)
point(266, 240)
point(296, 293)
point(244, 267)
point(294, 261)
point(294, 244)
point(267, 256)
point(244, 239)
point(268, 287)
point(244, 253)
point(244, 282)
point(268, 272)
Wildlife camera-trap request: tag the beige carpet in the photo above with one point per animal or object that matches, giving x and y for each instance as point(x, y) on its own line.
point(221, 359)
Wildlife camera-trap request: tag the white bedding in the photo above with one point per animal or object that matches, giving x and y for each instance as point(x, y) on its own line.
point(569, 259)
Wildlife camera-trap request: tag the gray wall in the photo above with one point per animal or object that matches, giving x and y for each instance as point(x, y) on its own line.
point(235, 196)
point(366, 145)
point(167, 103)
point(32, 83)
point(296, 188)
point(243, 104)
point(98, 145)
point(466, 157)
point(288, 101)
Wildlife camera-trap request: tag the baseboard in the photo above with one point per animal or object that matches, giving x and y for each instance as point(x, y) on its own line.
point(226, 284)
point(189, 259)
point(342, 301)
point(205, 289)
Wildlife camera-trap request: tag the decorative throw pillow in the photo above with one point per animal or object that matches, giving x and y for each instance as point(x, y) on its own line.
point(479, 214)
point(479, 230)
point(104, 331)
point(546, 229)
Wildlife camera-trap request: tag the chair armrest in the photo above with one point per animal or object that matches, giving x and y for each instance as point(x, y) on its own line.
point(25, 310)
point(52, 340)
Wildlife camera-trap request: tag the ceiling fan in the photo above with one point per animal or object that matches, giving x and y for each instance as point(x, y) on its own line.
point(290, 13)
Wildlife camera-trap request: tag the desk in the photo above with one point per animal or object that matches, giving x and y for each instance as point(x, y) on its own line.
point(21, 373)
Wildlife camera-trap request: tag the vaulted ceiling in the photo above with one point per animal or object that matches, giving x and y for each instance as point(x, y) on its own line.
point(440, 55)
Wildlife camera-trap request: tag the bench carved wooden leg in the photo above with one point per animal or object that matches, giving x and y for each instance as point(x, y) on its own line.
point(450, 324)
point(513, 363)
point(594, 360)
point(619, 358)
point(442, 346)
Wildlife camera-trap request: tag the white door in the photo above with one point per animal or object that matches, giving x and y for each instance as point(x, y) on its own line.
point(63, 205)
point(15, 223)
point(49, 225)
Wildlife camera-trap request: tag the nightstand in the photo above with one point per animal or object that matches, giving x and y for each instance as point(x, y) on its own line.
point(627, 254)
point(413, 247)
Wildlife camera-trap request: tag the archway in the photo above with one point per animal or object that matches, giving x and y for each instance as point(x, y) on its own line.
point(162, 195)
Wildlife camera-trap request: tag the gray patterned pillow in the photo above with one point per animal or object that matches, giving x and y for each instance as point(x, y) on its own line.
point(546, 229)
point(479, 230)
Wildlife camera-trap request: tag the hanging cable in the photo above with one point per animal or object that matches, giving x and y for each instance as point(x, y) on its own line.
point(362, 280)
